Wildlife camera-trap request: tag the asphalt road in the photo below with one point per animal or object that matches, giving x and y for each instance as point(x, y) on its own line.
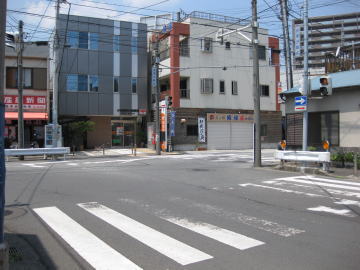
point(208, 211)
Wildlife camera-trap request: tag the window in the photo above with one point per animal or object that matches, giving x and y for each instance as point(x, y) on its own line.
point(116, 84)
point(82, 83)
point(206, 86)
point(94, 41)
point(116, 43)
point(222, 87)
point(227, 45)
point(261, 52)
point(72, 82)
point(93, 83)
point(191, 130)
point(12, 78)
point(83, 40)
point(133, 45)
point(264, 90)
point(234, 88)
point(39, 78)
point(263, 130)
point(184, 47)
point(133, 85)
point(206, 44)
point(73, 39)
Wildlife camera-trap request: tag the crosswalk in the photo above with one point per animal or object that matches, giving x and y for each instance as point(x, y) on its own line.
point(100, 255)
point(336, 193)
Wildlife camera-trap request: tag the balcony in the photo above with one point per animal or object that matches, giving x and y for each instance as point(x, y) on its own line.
point(348, 59)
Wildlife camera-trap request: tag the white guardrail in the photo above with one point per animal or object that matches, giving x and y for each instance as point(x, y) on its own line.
point(309, 156)
point(38, 151)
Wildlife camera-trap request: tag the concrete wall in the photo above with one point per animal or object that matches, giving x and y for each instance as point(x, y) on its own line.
point(347, 103)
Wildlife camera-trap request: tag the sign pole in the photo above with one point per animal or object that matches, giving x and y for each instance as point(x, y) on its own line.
point(306, 74)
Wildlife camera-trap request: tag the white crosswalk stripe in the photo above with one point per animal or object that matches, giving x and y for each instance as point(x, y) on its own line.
point(227, 237)
point(101, 256)
point(162, 243)
point(96, 252)
point(320, 188)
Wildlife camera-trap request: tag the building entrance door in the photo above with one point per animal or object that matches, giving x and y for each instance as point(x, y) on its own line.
point(122, 133)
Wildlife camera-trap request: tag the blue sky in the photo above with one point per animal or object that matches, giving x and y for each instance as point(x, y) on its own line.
point(236, 8)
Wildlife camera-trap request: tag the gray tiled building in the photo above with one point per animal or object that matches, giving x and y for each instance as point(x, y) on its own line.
point(103, 76)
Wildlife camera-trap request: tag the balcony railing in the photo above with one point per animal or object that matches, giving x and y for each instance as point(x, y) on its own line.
point(185, 93)
point(348, 59)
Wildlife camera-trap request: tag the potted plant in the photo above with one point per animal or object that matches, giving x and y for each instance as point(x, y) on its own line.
point(78, 131)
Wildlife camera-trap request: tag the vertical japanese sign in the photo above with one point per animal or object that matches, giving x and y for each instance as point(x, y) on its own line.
point(163, 128)
point(172, 123)
point(297, 40)
point(201, 125)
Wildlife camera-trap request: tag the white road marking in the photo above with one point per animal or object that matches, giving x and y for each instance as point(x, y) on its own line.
point(227, 237)
point(261, 224)
point(332, 191)
point(341, 212)
point(283, 190)
point(348, 202)
point(162, 243)
point(96, 252)
point(311, 182)
point(321, 180)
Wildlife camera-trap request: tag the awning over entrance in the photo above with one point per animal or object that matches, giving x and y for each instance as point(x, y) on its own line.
point(27, 116)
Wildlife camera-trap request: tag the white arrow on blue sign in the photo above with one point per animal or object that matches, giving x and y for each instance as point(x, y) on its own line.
point(301, 101)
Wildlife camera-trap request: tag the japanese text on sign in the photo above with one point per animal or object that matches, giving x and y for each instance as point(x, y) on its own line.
point(222, 117)
point(201, 125)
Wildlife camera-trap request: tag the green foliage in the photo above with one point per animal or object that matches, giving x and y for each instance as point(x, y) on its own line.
point(312, 148)
point(80, 128)
point(345, 157)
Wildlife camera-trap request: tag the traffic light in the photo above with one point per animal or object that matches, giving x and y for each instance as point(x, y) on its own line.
point(325, 86)
point(169, 101)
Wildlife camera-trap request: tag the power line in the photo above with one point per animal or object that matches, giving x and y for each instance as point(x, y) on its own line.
point(42, 17)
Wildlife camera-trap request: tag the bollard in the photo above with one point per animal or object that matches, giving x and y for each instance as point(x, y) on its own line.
point(103, 149)
point(355, 164)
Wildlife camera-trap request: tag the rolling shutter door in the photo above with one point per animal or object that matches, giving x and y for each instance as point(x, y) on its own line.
point(230, 135)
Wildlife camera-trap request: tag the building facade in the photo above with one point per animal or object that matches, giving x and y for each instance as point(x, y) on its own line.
point(103, 77)
point(35, 93)
point(334, 118)
point(210, 84)
point(330, 38)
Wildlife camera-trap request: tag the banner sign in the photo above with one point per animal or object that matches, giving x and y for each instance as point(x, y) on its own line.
point(172, 123)
point(29, 102)
point(201, 125)
point(222, 117)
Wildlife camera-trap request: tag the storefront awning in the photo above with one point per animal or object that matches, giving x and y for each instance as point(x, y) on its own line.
point(27, 116)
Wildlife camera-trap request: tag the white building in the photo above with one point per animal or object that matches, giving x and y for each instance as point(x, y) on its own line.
point(212, 79)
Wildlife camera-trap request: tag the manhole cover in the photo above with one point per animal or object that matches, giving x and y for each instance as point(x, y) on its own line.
point(14, 255)
point(8, 212)
point(200, 170)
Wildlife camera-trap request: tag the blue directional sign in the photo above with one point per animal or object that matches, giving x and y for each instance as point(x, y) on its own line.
point(153, 76)
point(301, 103)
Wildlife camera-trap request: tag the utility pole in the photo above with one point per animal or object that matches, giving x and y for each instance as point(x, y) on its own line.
point(20, 76)
point(4, 259)
point(306, 74)
point(256, 91)
point(156, 90)
point(287, 51)
point(57, 136)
